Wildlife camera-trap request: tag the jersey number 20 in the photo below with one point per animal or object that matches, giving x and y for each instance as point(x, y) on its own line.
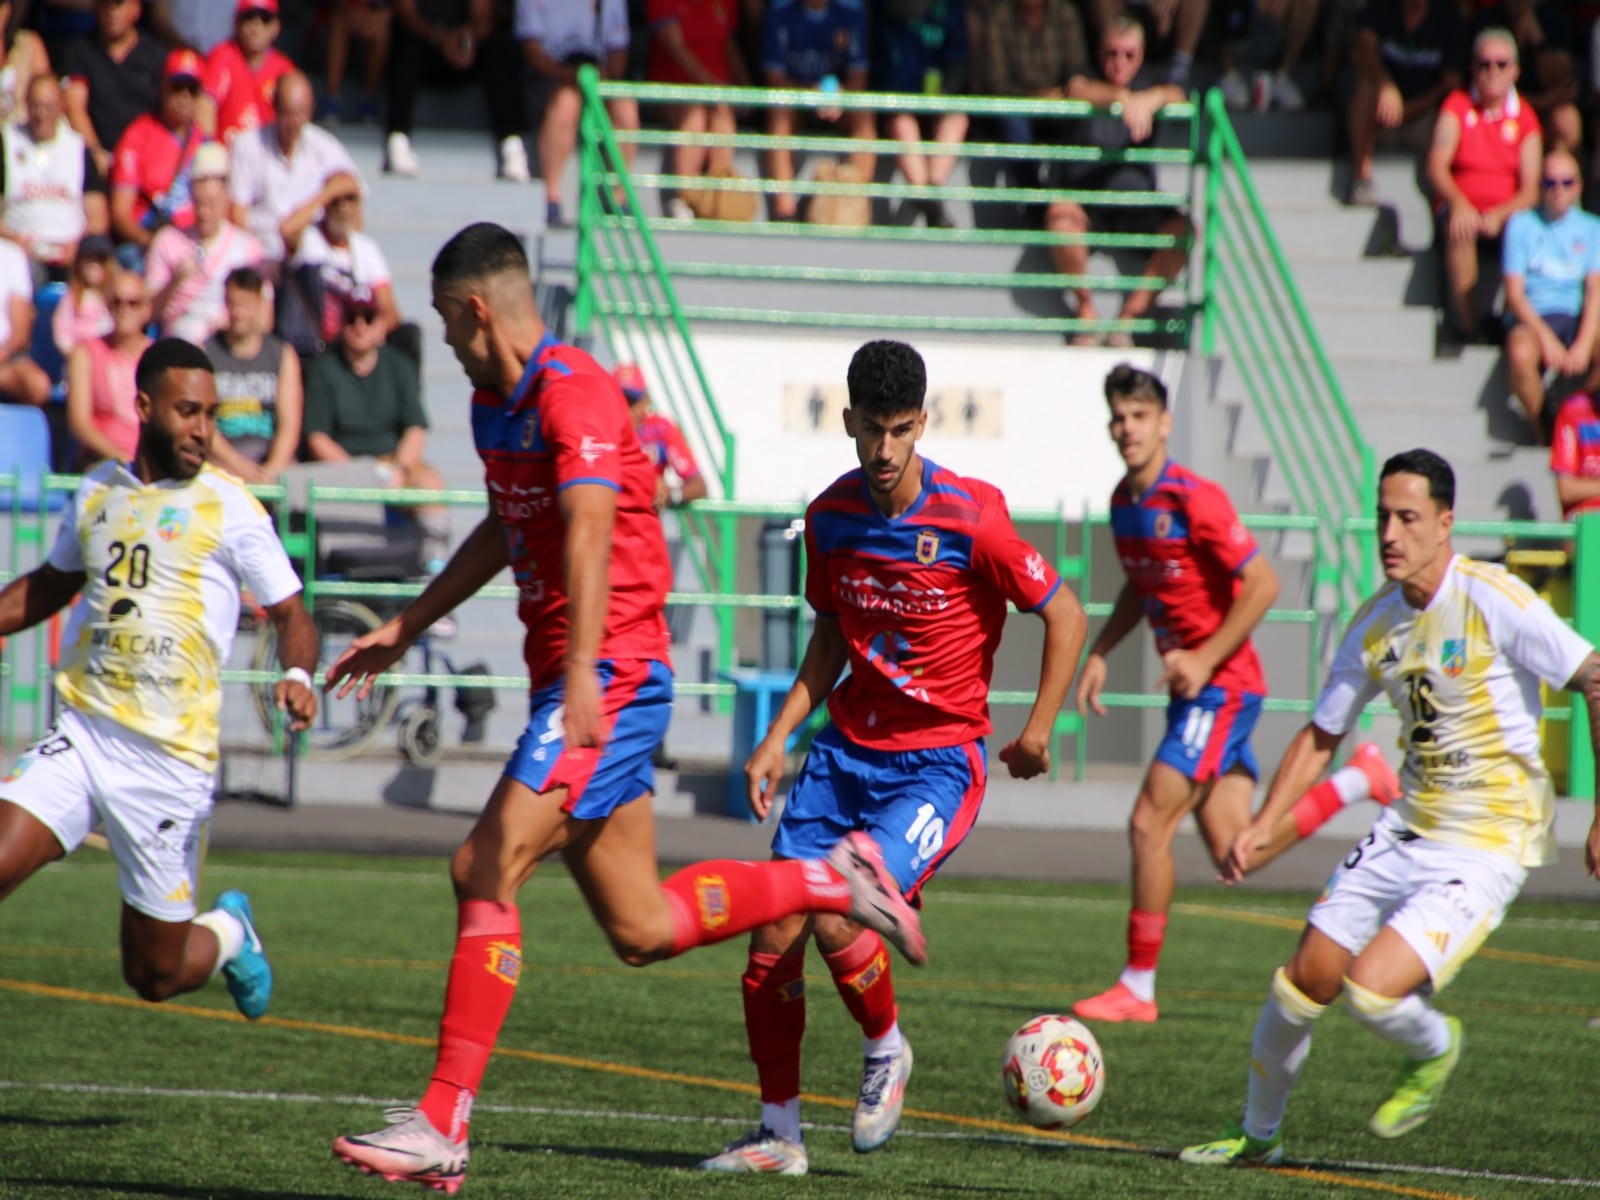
point(134, 561)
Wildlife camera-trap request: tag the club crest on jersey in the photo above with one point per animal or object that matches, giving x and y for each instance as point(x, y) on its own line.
point(1163, 524)
point(173, 523)
point(927, 546)
point(530, 430)
point(1453, 656)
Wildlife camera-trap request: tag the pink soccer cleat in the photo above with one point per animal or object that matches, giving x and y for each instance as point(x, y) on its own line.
point(875, 897)
point(1381, 777)
point(1117, 1004)
point(410, 1150)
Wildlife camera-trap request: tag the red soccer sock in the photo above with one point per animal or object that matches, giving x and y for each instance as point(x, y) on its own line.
point(775, 1021)
point(1146, 932)
point(714, 900)
point(483, 979)
point(1313, 809)
point(861, 973)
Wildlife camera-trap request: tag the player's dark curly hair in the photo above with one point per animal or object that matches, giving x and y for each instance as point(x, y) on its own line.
point(477, 252)
point(1432, 467)
point(169, 354)
point(887, 378)
point(1128, 382)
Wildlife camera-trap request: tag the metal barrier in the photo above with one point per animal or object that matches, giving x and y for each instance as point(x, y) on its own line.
point(1253, 310)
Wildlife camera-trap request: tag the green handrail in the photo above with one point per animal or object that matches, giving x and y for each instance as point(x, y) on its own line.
point(1253, 309)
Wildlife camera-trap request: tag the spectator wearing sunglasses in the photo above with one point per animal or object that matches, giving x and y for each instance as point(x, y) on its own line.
point(1551, 263)
point(1483, 166)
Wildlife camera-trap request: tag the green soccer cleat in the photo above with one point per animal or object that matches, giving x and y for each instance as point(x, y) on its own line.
point(1416, 1089)
point(1236, 1147)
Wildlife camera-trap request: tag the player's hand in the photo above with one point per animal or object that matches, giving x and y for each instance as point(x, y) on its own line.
point(1391, 107)
point(763, 771)
point(1025, 759)
point(369, 656)
point(1091, 679)
point(1185, 675)
point(297, 701)
point(581, 720)
point(1577, 360)
point(1237, 864)
point(663, 493)
point(1591, 848)
point(1551, 352)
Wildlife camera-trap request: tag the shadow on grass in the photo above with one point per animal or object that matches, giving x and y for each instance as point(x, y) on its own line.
point(88, 1188)
point(643, 1158)
point(60, 1123)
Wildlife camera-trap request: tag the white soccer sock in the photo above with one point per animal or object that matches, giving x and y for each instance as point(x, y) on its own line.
point(890, 1043)
point(1141, 982)
point(230, 935)
point(1352, 784)
point(1278, 1051)
point(1409, 1022)
point(783, 1119)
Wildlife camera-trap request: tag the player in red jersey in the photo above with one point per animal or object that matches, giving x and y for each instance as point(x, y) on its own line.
point(909, 568)
point(1195, 573)
point(571, 513)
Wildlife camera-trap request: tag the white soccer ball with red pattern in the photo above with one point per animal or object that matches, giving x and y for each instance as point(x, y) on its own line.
point(1053, 1073)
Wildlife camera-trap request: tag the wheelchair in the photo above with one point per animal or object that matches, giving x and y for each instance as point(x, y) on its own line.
point(365, 550)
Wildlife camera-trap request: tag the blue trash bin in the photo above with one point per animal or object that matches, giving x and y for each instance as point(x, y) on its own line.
point(756, 699)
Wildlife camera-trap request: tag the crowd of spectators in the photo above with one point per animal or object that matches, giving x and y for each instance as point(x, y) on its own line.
point(175, 166)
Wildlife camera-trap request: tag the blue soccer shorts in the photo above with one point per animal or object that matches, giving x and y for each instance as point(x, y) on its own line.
point(918, 805)
point(1210, 735)
point(635, 704)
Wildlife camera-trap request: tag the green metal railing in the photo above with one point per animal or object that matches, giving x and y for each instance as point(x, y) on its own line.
point(1254, 313)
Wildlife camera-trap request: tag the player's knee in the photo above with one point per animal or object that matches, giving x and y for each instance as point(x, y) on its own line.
point(639, 947)
point(1149, 827)
point(1368, 1007)
point(149, 984)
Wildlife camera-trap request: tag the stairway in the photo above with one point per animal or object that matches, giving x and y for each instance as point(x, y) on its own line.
point(1371, 282)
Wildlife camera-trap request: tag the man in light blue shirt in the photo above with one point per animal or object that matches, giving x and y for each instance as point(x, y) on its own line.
point(1551, 263)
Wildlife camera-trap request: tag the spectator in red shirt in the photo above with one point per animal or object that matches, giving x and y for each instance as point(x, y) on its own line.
point(242, 73)
point(678, 477)
point(150, 175)
point(696, 41)
point(1483, 166)
point(1575, 455)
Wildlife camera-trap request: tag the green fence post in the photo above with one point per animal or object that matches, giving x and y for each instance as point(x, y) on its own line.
point(1586, 619)
point(1208, 232)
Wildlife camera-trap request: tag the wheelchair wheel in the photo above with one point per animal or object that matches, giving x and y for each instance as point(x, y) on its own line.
point(343, 727)
point(419, 736)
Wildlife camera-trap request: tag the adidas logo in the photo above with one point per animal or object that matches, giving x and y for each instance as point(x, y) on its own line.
point(1439, 938)
point(179, 894)
point(1389, 659)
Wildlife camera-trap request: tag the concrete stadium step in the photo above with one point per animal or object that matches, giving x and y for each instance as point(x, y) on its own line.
point(1434, 382)
point(1370, 281)
point(1404, 334)
point(1325, 232)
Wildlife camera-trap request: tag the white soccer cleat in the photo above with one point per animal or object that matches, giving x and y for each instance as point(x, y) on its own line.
point(875, 897)
point(410, 1150)
point(883, 1094)
point(759, 1152)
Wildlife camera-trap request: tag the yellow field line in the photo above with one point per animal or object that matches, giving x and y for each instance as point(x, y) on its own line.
point(631, 1071)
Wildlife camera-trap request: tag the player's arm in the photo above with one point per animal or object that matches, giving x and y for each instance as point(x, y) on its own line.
point(1187, 671)
point(1307, 757)
point(481, 556)
point(820, 668)
point(590, 510)
point(297, 652)
point(37, 596)
point(1586, 679)
point(1065, 628)
point(1125, 616)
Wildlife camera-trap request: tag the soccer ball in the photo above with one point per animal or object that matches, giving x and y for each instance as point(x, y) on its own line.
point(1052, 1073)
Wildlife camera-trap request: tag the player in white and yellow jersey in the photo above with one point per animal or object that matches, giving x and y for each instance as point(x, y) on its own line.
point(155, 551)
point(1460, 649)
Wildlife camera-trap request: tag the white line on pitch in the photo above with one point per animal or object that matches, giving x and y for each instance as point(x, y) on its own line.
point(535, 1110)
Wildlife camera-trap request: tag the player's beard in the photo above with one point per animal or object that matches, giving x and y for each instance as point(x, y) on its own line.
point(161, 449)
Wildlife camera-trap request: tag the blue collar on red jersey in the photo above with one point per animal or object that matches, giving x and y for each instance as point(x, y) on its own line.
point(536, 364)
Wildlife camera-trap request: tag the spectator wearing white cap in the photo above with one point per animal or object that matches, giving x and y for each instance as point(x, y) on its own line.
point(285, 173)
point(50, 185)
point(186, 269)
point(242, 72)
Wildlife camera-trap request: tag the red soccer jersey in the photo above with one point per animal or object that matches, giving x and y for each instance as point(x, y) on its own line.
point(664, 446)
point(152, 161)
point(566, 423)
point(1183, 547)
point(1488, 159)
point(1575, 446)
point(921, 601)
point(243, 96)
point(707, 26)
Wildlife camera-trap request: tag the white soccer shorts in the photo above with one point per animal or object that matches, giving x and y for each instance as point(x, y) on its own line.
point(1443, 900)
point(153, 806)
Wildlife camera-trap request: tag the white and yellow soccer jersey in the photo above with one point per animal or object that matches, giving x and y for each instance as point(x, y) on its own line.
point(148, 637)
point(1464, 675)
